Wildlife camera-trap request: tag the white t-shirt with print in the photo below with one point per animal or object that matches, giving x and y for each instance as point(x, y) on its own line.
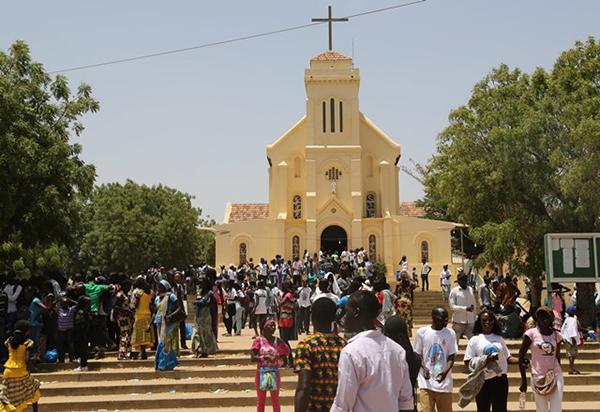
point(261, 296)
point(481, 344)
point(304, 297)
point(445, 277)
point(435, 346)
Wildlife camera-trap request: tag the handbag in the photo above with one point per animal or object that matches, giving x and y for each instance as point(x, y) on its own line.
point(268, 378)
point(174, 316)
point(544, 385)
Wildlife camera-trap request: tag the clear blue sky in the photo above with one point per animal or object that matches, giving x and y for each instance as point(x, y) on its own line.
point(200, 121)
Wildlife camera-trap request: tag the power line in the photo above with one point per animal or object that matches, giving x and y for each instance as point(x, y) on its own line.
point(232, 40)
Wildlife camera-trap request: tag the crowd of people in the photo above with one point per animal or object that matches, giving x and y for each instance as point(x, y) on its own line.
point(356, 354)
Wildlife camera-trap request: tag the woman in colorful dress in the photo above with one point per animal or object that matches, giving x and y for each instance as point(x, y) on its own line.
point(142, 304)
point(21, 388)
point(167, 326)
point(403, 304)
point(204, 341)
point(269, 353)
point(123, 317)
point(287, 309)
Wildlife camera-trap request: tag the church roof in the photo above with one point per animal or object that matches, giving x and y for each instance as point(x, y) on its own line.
point(411, 209)
point(241, 212)
point(330, 55)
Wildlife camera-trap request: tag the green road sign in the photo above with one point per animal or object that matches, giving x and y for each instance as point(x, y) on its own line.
point(572, 257)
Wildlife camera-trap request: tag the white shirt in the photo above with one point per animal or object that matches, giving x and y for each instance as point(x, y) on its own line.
point(231, 295)
point(425, 269)
point(304, 297)
point(318, 295)
point(12, 292)
point(372, 376)
point(569, 329)
point(460, 299)
point(435, 346)
point(445, 277)
point(481, 344)
point(261, 302)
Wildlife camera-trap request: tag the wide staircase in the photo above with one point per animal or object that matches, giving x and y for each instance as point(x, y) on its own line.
point(225, 382)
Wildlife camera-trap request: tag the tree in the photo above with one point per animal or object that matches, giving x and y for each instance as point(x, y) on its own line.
point(42, 178)
point(521, 159)
point(129, 227)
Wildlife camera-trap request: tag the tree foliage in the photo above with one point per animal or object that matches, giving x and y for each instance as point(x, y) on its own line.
point(42, 178)
point(522, 158)
point(129, 227)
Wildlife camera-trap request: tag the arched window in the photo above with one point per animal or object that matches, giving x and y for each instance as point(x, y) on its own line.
point(341, 118)
point(296, 246)
point(297, 167)
point(297, 207)
point(324, 117)
point(332, 114)
point(370, 205)
point(425, 251)
point(243, 253)
point(372, 248)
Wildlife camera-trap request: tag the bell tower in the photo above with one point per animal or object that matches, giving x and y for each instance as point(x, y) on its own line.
point(332, 112)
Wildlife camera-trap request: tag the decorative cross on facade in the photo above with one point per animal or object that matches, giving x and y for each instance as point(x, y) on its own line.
point(330, 20)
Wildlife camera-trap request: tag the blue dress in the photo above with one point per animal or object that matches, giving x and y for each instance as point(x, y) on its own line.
point(165, 361)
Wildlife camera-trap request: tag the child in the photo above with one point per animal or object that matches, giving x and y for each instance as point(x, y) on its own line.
point(81, 332)
point(570, 334)
point(21, 388)
point(65, 312)
point(415, 276)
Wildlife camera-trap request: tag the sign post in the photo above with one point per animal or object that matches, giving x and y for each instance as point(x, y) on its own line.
point(572, 257)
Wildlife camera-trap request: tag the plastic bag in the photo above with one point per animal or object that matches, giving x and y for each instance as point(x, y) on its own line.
point(51, 356)
point(188, 331)
point(268, 379)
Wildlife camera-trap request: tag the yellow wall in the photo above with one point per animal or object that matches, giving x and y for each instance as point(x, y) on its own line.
point(367, 158)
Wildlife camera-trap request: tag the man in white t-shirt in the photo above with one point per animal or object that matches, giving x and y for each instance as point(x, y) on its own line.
point(437, 346)
point(445, 283)
point(261, 306)
point(304, 304)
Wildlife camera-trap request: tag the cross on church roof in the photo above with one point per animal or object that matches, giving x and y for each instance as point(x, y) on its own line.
point(330, 20)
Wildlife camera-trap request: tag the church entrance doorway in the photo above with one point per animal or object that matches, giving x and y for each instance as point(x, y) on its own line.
point(334, 239)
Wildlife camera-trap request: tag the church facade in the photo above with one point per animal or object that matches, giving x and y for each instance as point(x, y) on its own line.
point(333, 185)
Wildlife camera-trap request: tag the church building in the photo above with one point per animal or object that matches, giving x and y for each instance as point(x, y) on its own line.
point(333, 186)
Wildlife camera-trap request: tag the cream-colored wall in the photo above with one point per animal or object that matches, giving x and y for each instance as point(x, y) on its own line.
point(367, 158)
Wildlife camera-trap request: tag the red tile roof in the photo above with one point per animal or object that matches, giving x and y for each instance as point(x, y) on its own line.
point(410, 209)
point(330, 55)
point(241, 212)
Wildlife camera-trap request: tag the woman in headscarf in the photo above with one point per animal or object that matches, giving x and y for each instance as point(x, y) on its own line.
point(396, 329)
point(167, 326)
point(204, 341)
point(142, 303)
point(269, 353)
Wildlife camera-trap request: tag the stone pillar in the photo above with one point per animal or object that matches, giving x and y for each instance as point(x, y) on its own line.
point(357, 203)
point(280, 188)
point(388, 244)
point(386, 188)
point(311, 206)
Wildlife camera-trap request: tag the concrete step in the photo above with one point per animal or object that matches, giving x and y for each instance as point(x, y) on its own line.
point(230, 360)
point(196, 371)
point(512, 406)
point(235, 382)
point(225, 399)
